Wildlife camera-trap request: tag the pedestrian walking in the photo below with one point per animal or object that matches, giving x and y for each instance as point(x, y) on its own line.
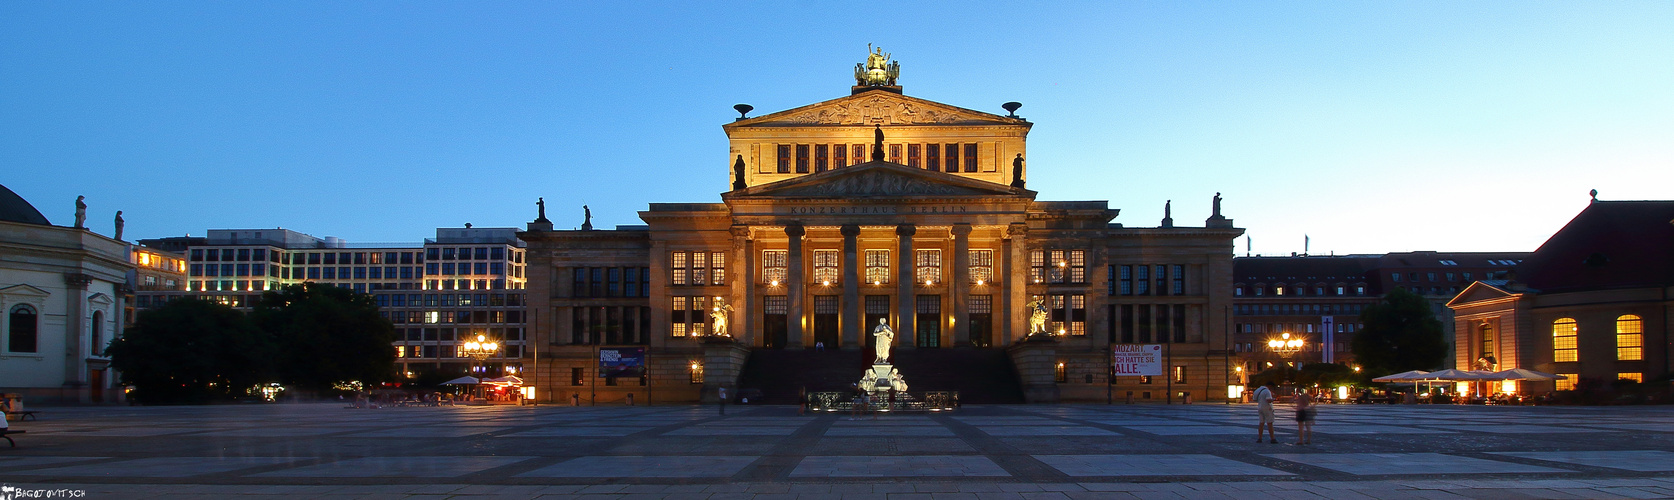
point(723, 400)
point(1264, 406)
point(1304, 418)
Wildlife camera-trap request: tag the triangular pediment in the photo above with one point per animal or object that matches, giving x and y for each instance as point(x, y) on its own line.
point(25, 290)
point(876, 108)
point(878, 179)
point(1479, 291)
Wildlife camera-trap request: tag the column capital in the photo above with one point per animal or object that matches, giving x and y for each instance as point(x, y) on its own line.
point(739, 230)
point(1017, 229)
point(906, 230)
point(962, 229)
point(850, 230)
point(795, 230)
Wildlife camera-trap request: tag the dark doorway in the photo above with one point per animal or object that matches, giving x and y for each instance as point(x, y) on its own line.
point(825, 321)
point(877, 308)
point(929, 321)
point(774, 326)
point(982, 320)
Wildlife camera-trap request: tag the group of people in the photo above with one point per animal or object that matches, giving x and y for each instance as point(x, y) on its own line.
point(1304, 416)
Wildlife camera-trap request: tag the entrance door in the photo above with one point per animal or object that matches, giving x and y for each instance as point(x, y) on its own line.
point(982, 320)
point(825, 321)
point(775, 330)
point(877, 308)
point(96, 383)
point(929, 321)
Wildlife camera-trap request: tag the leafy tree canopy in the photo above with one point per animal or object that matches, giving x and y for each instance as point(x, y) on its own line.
point(327, 335)
point(1401, 334)
point(190, 351)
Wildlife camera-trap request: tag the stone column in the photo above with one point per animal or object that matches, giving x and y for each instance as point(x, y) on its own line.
point(75, 324)
point(739, 285)
point(959, 288)
point(905, 331)
point(852, 326)
point(752, 318)
point(1098, 283)
point(1017, 281)
point(794, 285)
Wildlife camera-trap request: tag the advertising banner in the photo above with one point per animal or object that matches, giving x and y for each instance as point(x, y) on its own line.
point(1131, 360)
point(621, 362)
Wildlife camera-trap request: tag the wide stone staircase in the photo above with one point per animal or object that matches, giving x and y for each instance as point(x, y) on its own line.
point(981, 376)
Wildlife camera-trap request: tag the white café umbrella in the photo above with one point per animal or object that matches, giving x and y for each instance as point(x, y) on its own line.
point(1455, 375)
point(1524, 374)
point(463, 381)
point(1406, 376)
point(506, 380)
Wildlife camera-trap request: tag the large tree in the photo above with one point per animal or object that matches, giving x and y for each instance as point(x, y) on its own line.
point(191, 351)
point(1401, 334)
point(327, 336)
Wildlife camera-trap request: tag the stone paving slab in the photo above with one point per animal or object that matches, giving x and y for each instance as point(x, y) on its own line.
point(1374, 464)
point(1056, 430)
point(888, 466)
point(904, 430)
point(162, 467)
point(1634, 460)
point(1153, 465)
point(576, 432)
point(432, 466)
point(644, 466)
point(1190, 430)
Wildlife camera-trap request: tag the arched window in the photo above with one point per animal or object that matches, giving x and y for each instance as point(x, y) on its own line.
point(1630, 338)
point(1563, 340)
point(24, 329)
point(97, 345)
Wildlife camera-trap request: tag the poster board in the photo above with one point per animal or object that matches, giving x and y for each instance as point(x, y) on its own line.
point(1133, 360)
point(621, 362)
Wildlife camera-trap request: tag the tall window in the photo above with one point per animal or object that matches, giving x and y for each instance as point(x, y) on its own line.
point(1142, 280)
point(24, 329)
point(825, 267)
point(784, 158)
point(1037, 266)
point(1487, 332)
point(1078, 266)
point(1179, 283)
point(718, 268)
point(677, 317)
point(1057, 267)
point(821, 157)
point(860, 156)
point(773, 264)
point(895, 153)
point(982, 266)
point(840, 156)
point(1127, 280)
point(700, 268)
point(1630, 338)
point(877, 266)
point(1563, 340)
point(914, 151)
point(929, 320)
point(970, 157)
point(802, 158)
point(928, 266)
point(97, 346)
point(932, 156)
point(950, 158)
point(678, 263)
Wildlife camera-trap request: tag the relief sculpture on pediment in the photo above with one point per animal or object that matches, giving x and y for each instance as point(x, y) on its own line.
point(876, 110)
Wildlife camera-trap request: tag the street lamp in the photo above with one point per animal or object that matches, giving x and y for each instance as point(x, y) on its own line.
point(480, 349)
point(1284, 345)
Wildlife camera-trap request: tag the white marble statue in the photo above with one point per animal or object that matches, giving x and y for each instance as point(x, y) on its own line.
point(883, 337)
point(896, 381)
point(1037, 316)
point(718, 318)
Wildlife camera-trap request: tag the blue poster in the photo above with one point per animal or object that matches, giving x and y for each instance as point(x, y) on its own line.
point(622, 362)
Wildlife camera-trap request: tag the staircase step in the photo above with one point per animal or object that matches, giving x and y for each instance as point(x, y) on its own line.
point(982, 376)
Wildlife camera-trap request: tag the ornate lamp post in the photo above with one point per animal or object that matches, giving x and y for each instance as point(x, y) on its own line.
point(1285, 346)
point(480, 349)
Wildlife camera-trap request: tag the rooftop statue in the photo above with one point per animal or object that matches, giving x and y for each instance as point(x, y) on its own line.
point(738, 174)
point(119, 225)
point(81, 212)
point(878, 70)
point(587, 223)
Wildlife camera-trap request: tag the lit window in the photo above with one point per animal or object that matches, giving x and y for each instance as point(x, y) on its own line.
point(1636, 377)
point(1563, 340)
point(700, 265)
point(678, 267)
point(825, 267)
point(1077, 266)
point(677, 317)
point(1037, 266)
point(877, 266)
point(773, 264)
point(928, 266)
point(982, 266)
point(717, 268)
point(1630, 338)
point(1566, 382)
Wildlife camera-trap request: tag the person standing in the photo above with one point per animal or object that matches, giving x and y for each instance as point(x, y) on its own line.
point(723, 400)
point(1264, 405)
point(1304, 418)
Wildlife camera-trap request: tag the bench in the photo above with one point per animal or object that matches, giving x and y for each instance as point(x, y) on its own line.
point(21, 415)
point(7, 434)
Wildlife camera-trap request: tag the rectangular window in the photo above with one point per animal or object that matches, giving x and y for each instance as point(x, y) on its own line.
point(1630, 340)
point(1179, 277)
point(1162, 280)
point(1179, 374)
point(895, 153)
point(840, 158)
point(1057, 267)
point(773, 264)
point(1636, 377)
point(950, 158)
point(970, 157)
point(859, 154)
point(1142, 280)
point(822, 157)
point(1037, 266)
point(802, 158)
point(914, 151)
point(613, 275)
point(825, 267)
point(718, 268)
point(677, 316)
point(1563, 340)
point(1078, 266)
point(784, 158)
point(1077, 315)
point(700, 268)
point(982, 266)
point(678, 267)
point(932, 156)
point(927, 266)
point(877, 266)
point(1127, 280)
point(1567, 381)
point(579, 289)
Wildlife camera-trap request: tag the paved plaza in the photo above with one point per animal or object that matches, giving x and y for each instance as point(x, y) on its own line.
point(1058, 451)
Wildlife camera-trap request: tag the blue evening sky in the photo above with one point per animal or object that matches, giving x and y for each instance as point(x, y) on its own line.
point(1372, 127)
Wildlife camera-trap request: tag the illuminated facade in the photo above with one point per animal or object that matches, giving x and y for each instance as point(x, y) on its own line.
point(880, 206)
point(1592, 303)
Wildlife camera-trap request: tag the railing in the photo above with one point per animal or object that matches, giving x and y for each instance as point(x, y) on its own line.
point(933, 401)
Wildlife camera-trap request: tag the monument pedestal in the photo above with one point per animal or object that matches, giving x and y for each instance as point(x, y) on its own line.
point(1036, 361)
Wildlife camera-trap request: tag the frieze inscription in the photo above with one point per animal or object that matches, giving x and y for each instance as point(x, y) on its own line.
point(912, 209)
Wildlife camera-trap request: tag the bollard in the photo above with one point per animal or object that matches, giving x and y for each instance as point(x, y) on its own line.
point(1130, 397)
point(575, 400)
point(630, 399)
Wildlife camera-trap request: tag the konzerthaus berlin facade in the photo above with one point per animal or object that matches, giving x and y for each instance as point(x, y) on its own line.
point(826, 230)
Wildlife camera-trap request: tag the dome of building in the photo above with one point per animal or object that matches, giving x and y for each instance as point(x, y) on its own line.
point(14, 208)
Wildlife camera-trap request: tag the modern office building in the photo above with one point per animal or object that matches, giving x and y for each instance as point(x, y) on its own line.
point(61, 301)
point(878, 207)
point(159, 276)
point(1592, 303)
